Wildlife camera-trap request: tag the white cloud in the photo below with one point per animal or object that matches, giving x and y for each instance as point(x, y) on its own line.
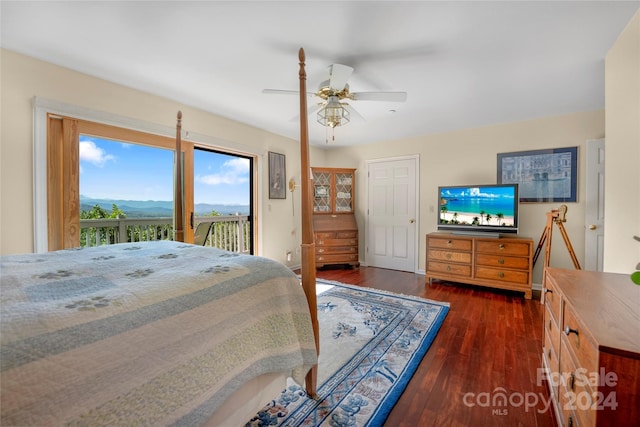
point(234, 171)
point(90, 152)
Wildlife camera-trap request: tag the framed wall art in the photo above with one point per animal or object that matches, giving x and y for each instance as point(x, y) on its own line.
point(277, 176)
point(542, 175)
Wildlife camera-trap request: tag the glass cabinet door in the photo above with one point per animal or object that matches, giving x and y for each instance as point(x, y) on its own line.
point(322, 192)
point(332, 191)
point(344, 192)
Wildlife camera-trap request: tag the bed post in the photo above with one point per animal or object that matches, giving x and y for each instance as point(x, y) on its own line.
point(308, 252)
point(178, 234)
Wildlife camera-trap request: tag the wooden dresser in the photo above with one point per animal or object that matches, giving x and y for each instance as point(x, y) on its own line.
point(591, 347)
point(334, 223)
point(504, 263)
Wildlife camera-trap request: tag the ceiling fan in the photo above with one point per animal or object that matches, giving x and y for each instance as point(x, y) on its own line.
point(334, 111)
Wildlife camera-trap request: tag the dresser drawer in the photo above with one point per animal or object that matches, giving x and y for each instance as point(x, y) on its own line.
point(585, 355)
point(550, 356)
point(336, 258)
point(502, 275)
point(456, 269)
point(552, 298)
point(336, 250)
point(568, 416)
point(441, 255)
point(581, 398)
point(552, 330)
point(325, 235)
point(503, 261)
point(347, 234)
point(497, 246)
point(452, 243)
point(336, 242)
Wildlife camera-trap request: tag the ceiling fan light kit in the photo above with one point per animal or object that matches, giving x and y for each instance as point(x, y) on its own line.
point(333, 114)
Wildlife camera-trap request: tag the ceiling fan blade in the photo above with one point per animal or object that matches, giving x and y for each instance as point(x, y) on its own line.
point(380, 96)
point(338, 76)
point(284, 92)
point(280, 92)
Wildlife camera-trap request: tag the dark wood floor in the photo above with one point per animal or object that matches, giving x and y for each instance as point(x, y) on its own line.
point(488, 346)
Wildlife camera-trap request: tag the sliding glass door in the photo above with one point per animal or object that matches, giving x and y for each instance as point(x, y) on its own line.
point(109, 185)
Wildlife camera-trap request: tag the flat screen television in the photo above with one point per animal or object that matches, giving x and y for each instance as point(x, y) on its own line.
point(472, 209)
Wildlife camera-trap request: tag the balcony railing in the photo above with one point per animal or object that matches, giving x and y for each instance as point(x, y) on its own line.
point(232, 232)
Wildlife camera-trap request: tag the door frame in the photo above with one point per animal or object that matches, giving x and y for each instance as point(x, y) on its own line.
point(43, 107)
point(368, 163)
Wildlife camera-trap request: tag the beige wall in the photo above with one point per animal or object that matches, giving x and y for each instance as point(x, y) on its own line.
point(461, 157)
point(470, 156)
point(23, 78)
point(622, 160)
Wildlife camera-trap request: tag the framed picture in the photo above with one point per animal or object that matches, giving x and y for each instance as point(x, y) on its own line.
point(542, 175)
point(277, 176)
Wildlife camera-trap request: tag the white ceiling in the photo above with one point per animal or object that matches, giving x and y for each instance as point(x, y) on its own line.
point(463, 64)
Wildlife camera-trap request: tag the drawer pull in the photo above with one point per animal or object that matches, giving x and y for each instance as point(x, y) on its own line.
point(568, 330)
point(320, 250)
point(501, 261)
point(501, 274)
point(572, 381)
point(449, 242)
point(448, 268)
point(501, 246)
point(448, 256)
point(320, 242)
point(548, 291)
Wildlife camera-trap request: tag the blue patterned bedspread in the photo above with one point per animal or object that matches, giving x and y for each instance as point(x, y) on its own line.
point(136, 334)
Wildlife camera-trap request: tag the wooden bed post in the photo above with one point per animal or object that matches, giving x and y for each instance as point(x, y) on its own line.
point(308, 252)
point(178, 235)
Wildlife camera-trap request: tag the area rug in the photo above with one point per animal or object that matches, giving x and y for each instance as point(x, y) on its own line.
point(371, 343)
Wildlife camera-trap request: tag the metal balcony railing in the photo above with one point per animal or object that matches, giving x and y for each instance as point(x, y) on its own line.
point(231, 233)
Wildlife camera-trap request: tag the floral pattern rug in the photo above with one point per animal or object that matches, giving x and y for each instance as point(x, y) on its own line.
point(371, 343)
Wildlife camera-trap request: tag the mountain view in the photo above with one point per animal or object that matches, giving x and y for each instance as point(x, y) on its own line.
point(158, 208)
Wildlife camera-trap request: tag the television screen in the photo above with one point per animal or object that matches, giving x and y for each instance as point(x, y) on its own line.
point(478, 208)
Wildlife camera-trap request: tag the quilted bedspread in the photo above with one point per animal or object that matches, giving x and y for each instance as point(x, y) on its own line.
point(138, 334)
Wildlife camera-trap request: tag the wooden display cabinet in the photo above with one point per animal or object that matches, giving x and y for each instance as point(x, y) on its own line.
point(334, 223)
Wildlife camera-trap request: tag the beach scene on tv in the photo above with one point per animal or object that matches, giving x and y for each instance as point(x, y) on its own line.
point(491, 206)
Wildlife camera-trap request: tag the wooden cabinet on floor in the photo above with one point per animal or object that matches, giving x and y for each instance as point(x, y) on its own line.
point(504, 263)
point(591, 347)
point(334, 222)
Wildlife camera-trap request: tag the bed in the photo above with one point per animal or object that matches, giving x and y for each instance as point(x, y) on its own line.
point(156, 333)
point(152, 333)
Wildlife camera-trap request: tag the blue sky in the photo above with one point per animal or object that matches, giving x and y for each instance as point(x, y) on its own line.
point(116, 170)
point(497, 191)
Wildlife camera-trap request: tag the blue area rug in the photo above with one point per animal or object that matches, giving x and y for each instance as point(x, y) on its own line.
point(371, 343)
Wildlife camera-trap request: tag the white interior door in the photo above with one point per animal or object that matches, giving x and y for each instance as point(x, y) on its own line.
point(594, 206)
point(392, 213)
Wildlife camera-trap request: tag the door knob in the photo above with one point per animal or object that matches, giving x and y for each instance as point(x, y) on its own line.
point(592, 227)
point(411, 221)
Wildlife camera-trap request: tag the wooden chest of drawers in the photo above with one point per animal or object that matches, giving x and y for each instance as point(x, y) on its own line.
point(336, 240)
point(503, 263)
point(591, 347)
